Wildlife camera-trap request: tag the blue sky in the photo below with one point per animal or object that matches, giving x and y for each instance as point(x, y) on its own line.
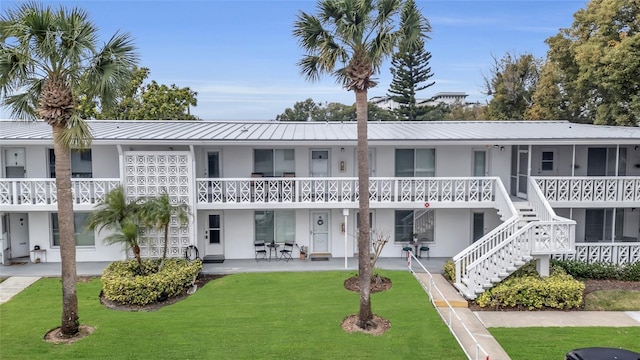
point(240, 56)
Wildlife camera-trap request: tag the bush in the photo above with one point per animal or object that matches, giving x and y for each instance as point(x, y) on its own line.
point(600, 271)
point(450, 270)
point(559, 291)
point(122, 282)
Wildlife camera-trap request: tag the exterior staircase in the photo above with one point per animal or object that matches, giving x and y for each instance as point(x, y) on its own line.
point(532, 229)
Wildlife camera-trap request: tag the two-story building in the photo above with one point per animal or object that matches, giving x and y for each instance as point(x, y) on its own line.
point(489, 194)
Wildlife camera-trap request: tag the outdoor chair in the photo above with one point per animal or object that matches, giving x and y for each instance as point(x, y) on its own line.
point(261, 250)
point(423, 247)
point(406, 250)
point(287, 251)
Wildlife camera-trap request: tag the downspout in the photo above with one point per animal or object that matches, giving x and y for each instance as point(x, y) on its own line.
point(194, 196)
point(345, 213)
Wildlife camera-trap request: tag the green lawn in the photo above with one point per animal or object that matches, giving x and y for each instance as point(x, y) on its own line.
point(242, 316)
point(547, 343)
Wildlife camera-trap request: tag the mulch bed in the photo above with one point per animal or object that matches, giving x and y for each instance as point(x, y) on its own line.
point(378, 283)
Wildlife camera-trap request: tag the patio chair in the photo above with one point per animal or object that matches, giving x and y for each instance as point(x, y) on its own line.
point(287, 251)
point(261, 250)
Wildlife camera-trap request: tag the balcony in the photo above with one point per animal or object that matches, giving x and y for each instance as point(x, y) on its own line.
point(591, 191)
point(286, 192)
point(40, 194)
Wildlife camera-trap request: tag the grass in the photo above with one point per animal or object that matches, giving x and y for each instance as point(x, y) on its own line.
point(546, 343)
point(242, 316)
point(613, 300)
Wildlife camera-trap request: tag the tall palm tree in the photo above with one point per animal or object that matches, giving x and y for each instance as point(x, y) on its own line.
point(350, 39)
point(114, 212)
point(158, 212)
point(44, 54)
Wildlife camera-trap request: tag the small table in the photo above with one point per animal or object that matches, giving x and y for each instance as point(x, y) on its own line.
point(39, 255)
point(273, 249)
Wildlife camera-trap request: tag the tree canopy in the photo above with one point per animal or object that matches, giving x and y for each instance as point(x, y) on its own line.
point(317, 111)
point(152, 101)
point(592, 72)
point(512, 83)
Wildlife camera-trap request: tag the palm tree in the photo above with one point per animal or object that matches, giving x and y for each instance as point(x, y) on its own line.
point(158, 211)
point(359, 35)
point(127, 232)
point(44, 54)
point(114, 212)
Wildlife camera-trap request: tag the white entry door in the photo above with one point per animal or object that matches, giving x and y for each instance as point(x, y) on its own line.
point(319, 163)
point(320, 232)
point(19, 235)
point(213, 235)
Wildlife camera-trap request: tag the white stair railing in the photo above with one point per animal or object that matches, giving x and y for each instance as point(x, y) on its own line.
point(550, 235)
point(491, 240)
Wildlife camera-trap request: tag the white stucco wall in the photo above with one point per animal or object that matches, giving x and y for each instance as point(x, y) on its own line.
point(104, 162)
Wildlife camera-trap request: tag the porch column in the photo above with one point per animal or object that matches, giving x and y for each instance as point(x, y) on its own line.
point(345, 213)
point(542, 264)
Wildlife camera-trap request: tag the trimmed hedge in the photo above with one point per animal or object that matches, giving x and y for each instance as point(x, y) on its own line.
point(600, 271)
point(122, 282)
point(559, 291)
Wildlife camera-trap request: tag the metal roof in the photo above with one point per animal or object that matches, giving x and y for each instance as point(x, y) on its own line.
point(203, 132)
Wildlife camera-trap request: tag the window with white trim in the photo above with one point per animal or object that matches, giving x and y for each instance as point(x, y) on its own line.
point(410, 222)
point(273, 162)
point(83, 237)
point(415, 162)
point(275, 226)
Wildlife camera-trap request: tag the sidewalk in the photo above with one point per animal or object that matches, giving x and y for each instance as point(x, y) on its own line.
point(13, 285)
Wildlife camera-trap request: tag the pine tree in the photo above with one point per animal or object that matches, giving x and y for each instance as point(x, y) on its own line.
point(410, 70)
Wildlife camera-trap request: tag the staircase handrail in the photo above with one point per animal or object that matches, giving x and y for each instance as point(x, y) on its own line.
point(540, 204)
point(492, 238)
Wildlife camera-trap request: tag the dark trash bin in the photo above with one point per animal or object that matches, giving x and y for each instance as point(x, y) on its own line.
point(601, 353)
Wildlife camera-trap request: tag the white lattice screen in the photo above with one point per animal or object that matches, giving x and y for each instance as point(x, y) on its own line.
point(150, 174)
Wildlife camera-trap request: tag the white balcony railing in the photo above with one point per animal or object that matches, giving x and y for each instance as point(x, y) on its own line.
point(589, 189)
point(43, 191)
point(605, 252)
point(317, 190)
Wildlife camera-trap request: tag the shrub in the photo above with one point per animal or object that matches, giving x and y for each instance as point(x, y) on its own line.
point(600, 271)
point(450, 270)
point(560, 291)
point(122, 282)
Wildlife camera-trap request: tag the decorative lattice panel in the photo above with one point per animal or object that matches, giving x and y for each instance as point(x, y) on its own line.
point(149, 174)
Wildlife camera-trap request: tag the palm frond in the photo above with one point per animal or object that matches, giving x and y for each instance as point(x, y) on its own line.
point(77, 134)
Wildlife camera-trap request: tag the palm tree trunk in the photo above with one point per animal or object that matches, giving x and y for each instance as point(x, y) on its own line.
point(69, 325)
point(364, 263)
point(166, 245)
point(136, 253)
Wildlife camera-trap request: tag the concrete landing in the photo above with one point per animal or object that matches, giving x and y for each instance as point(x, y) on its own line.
point(13, 285)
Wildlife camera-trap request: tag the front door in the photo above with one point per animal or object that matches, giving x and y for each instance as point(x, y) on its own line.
point(213, 235)
point(480, 163)
point(478, 226)
point(523, 170)
point(19, 235)
point(319, 163)
point(320, 232)
point(14, 162)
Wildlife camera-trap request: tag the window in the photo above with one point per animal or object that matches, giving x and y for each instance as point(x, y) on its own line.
point(83, 238)
point(409, 222)
point(275, 226)
point(415, 162)
point(273, 162)
point(81, 164)
point(547, 161)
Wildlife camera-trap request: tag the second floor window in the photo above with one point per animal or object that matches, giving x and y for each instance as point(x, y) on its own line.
point(415, 162)
point(273, 162)
point(81, 165)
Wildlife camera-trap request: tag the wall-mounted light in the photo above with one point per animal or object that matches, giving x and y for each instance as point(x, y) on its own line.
point(636, 147)
point(170, 148)
point(342, 227)
point(501, 148)
point(342, 149)
point(343, 166)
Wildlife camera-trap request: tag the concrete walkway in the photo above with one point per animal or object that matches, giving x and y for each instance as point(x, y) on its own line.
point(13, 285)
point(558, 318)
